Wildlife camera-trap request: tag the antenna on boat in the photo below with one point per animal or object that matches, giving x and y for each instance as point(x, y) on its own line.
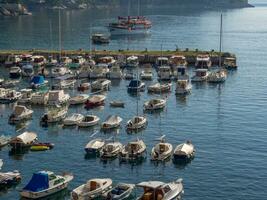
point(220, 52)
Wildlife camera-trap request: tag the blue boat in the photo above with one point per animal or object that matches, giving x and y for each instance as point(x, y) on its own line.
point(136, 86)
point(38, 81)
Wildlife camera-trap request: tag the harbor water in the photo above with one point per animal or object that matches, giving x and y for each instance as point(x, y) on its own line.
point(226, 123)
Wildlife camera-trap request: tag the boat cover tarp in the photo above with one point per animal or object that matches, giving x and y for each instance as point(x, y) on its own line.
point(38, 80)
point(38, 182)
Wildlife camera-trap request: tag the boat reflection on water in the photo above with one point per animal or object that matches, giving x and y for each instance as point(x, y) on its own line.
point(182, 99)
point(18, 153)
point(134, 162)
point(63, 194)
point(181, 163)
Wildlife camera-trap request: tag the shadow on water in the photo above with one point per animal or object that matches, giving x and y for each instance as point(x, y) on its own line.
point(18, 154)
point(182, 99)
point(181, 163)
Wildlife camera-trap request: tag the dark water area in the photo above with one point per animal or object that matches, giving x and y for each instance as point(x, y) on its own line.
point(227, 123)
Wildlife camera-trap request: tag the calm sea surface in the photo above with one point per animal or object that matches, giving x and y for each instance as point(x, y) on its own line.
point(227, 123)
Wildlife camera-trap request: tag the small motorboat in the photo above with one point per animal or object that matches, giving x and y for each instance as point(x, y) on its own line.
point(133, 150)
point(88, 121)
point(230, 63)
point(117, 104)
point(19, 114)
point(80, 99)
point(164, 72)
point(101, 84)
point(94, 146)
point(54, 115)
point(94, 101)
point(136, 86)
point(27, 70)
point(93, 189)
point(203, 61)
point(9, 96)
point(112, 121)
point(25, 139)
point(83, 86)
point(200, 76)
point(4, 140)
point(99, 38)
point(183, 87)
point(39, 98)
point(217, 77)
point(44, 183)
point(42, 146)
point(115, 72)
point(59, 71)
point(161, 151)
point(155, 104)
point(14, 72)
point(99, 70)
point(146, 75)
point(184, 151)
point(63, 82)
point(111, 150)
point(137, 122)
point(57, 97)
point(73, 119)
point(154, 190)
point(9, 179)
point(38, 81)
point(159, 88)
point(132, 62)
point(120, 192)
point(26, 96)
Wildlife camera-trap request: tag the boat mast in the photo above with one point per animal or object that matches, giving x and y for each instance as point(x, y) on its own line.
point(220, 52)
point(59, 34)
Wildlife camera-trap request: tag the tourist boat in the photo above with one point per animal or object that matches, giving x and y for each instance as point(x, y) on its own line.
point(39, 98)
point(146, 74)
point(111, 150)
point(94, 146)
point(25, 59)
point(164, 72)
point(159, 88)
point(88, 121)
point(184, 151)
point(115, 72)
point(38, 81)
point(99, 71)
point(45, 183)
point(162, 61)
point(9, 179)
point(101, 84)
point(57, 97)
point(117, 104)
point(134, 150)
point(26, 96)
point(181, 73)
point(230, 63)
point(27, 70)
point(112, 121)
point(79, 99)
point(9, 96)
point(65, 60)
point(14, 72)
point(136, 86)
point(137, 122)
point(95, 100)
point(19, 114)
point(63, 82)
point(217, 76)
point(41, 146)
point(59, 71)
point(162, 150)
point(73, 119)
point(128, 74)
point(84, 71)
point(99, 38)
point(132, 62)
point(177, 63)
point(154, 190)
point(130, 25)
point(183, 87)
point(12, 60)
point(154, 104)
point(203, 61)
point(83, 86)
point(200, 76)
point(25, 139)
point(38, 61)
point(120, 192)
point(54, 115)
point(94, 188)
point(77, 62)
point(4, 140)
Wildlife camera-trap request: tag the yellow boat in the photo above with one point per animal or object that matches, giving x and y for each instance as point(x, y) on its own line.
point(39, 148)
